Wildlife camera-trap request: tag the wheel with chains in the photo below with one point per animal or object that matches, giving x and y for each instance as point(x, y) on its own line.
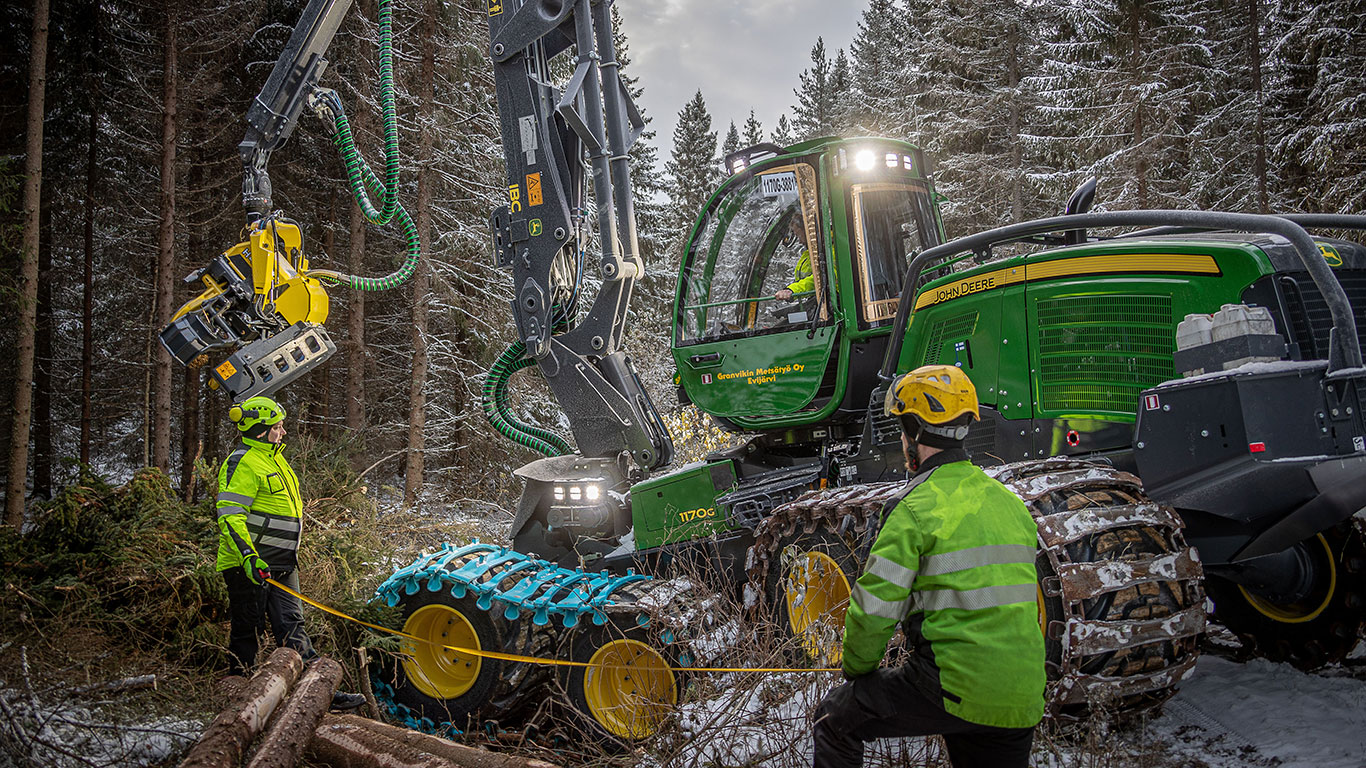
point(1321, 625)
point(1120, 599)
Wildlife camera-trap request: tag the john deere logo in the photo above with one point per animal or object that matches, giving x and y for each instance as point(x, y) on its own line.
point(1330, 255)
point(536, 227)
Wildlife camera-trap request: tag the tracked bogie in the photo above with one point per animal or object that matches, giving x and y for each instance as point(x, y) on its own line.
point(538, 610)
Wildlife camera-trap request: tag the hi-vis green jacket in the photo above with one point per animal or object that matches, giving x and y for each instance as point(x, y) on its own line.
point(259, 507)
point(803, 277)
point(955, 560)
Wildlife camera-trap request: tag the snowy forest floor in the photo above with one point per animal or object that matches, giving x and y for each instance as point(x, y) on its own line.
point(85, 602)
point(1231, 712)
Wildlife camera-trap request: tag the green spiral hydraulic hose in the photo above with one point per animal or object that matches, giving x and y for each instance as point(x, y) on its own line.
point(500, 416)
point(501, 401)
point(361, 178)
point(357, 172)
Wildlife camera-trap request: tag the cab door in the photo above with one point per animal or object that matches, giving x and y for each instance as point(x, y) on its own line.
point(753, 328)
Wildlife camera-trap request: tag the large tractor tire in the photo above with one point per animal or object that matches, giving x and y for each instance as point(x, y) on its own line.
point(436, 683)
point(1323, 624)
point(1120, 601)
point(630, 688)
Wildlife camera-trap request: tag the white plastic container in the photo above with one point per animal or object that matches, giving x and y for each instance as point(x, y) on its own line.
point(1234, 320)
point(1194, 331)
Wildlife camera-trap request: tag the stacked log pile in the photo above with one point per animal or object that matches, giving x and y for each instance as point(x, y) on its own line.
point(283, 711)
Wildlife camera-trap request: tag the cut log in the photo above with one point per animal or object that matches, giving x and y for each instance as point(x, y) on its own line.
point(119, 686)
point(291, 731)
point(224, 743)
point(459, 754)
point(346, 745)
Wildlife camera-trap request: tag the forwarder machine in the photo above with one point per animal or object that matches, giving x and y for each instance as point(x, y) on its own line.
point(1079, 346)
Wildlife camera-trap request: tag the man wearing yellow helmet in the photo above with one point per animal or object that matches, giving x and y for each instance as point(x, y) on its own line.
point(953, 563)
point(260, 517)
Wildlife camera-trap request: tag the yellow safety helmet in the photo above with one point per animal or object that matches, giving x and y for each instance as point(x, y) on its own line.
point(252, 413)
point(936, 395)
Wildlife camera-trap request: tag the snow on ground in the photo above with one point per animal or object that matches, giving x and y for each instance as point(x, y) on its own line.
point(1266, 711)
point(1229, 714)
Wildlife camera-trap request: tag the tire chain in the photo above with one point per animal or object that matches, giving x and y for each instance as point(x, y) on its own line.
point(1084, 487)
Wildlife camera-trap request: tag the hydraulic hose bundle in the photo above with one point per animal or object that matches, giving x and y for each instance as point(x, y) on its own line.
point(358, 173)
point(500, 415)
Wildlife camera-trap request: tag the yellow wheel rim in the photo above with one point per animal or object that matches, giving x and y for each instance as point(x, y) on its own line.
point(1297, 613)
point(436, 671)
point(817, 598)
point(629, 689)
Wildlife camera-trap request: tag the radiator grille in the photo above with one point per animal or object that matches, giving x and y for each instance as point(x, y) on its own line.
point(1097, 352)
point(1310, 320)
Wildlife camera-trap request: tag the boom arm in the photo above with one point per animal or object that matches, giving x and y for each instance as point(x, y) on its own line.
point(541, 234)
point(275, 111)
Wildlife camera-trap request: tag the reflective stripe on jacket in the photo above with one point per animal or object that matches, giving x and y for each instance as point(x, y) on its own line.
point(260, 510)
point(955, 560)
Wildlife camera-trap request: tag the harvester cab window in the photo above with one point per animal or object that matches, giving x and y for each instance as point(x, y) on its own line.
point(756, 264)
point(890, 221)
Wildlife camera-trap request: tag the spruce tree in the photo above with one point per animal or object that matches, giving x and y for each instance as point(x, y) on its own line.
point(1228, 158)
point(879, 56)
point(693, 165)
point(967, 107)
point(754, 132)
point(814, 109)
point(732, 140)
point(782, 133)
point(1320, 52)
point(1123, 81)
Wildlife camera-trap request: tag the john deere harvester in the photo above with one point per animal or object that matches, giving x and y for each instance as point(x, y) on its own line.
point(1178, 405)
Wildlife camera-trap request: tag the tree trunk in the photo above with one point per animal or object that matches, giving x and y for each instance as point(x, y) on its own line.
point(1136, 65)
point(290, 733)
point(28, 270)
point(42, 362)
point(190, 448)
point(224, 743)
point(355, 329)
point(1254, 26)
point(322, 378)
point(161, 406)
point(346, 745)
point(1017, 175)
point(417, 396)
point(88, 261)
point(355, 321)
point(212, 418)
point(458, 754)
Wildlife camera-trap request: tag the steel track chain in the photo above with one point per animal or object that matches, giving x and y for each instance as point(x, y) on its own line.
point(1070, 501)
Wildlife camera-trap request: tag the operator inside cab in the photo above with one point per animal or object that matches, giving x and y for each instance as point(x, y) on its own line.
point(793, 250)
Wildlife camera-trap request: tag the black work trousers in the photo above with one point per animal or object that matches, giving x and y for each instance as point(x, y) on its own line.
point(250, 605)
point(886, 704)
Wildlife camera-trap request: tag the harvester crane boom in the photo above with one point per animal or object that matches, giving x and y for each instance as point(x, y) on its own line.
point(541, 234)
point(275, 110)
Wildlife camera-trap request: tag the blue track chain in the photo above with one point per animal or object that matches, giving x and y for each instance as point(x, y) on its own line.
point(514, 584)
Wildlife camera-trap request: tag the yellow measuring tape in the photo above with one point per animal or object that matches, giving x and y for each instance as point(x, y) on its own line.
point(524, 659)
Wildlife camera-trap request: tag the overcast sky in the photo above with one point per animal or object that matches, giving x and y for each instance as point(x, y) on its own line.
point(742, 55)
